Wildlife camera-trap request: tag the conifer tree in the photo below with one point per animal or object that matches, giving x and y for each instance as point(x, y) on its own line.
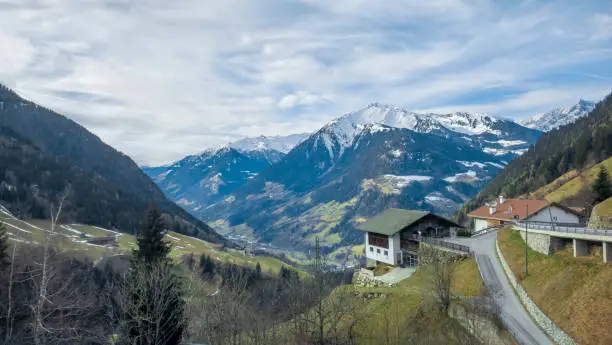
point(602, 185)
point(155, 309)
point(151, 244)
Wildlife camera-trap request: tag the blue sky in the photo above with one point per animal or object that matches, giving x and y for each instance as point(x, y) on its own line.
point(162, 79)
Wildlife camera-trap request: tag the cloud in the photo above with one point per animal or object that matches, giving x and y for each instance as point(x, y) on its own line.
point(160, 80)
point(300, 98)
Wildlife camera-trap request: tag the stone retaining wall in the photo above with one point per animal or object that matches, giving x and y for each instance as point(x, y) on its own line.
point(553, 331)
point(366, 278)
point(541, 243)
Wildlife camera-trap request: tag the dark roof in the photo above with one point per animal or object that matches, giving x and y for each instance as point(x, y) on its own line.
point(394, 220)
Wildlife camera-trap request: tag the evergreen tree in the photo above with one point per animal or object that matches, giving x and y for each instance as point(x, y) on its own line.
point(258, 270)
point(156, 310)
point(4, 258)
point(151, 244)
point(602, 185)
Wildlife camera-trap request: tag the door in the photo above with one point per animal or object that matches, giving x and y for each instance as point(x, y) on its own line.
point(398, 258)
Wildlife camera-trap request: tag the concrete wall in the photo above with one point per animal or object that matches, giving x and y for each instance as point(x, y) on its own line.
point(553, 331)
point(607, 251)
point(544, 244)
point(378, 253)
point(559, 215)
point(480, 224)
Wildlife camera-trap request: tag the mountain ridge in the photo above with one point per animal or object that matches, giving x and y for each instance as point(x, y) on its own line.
point(559, 116)
point(61, 140)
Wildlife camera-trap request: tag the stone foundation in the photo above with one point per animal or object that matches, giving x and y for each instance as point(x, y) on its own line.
point(544, 244)
point(366, 278)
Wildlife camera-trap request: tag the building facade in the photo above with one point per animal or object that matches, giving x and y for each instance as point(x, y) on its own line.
point(393, 235)
point(504, 211)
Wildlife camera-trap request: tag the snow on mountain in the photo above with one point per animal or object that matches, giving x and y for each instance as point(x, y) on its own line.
point(558, 117)
point(282, 144)
point(340, 133)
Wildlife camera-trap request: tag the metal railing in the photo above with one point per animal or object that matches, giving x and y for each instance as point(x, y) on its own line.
point(565, 228)
point(445, 244)
point(484, 231)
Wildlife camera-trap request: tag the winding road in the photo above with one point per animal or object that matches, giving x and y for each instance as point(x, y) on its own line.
point(513, 314)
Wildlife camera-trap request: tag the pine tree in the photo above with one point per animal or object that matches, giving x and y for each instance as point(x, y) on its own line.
point(4, 258)
point(156, 309)
point(258, 270)
point(151, 244)
point(602, 185)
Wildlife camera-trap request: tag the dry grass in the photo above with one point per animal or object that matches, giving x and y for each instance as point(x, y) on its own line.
point(574, 292)
point(571, 183)
point(604, 209)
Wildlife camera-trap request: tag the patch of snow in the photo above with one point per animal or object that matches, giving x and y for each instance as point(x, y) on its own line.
point(496, 165)
point(283, 144)
point(403, 181)
point(472, 164)
point(71, 229)
point(15, 227)
point(506, 143)
point(172, 237)
point(494, 151)
point(396, 153)
point(469, 175)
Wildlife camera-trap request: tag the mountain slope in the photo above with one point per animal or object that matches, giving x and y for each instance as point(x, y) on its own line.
point(197, 181)
point(282, 144)
point(558, 117)
point(101, 177)
point(574, 146)
point(364, 162)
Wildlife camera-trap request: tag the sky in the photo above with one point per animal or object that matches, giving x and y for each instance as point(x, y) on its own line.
point(161, 79)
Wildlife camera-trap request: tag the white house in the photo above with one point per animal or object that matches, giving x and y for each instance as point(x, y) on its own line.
point(509, 210)
point(395, 233)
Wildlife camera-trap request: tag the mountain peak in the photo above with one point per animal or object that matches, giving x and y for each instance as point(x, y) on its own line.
point(559, 116)
point(282, 144)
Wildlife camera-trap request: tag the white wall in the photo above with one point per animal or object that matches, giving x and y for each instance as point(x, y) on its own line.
point(559, 215)
point(480, 224)
point(374, 253)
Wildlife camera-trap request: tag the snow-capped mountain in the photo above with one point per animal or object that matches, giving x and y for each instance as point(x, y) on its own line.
point(492, 135)
point(558, 117)
point(282, 144)
point(350, 169)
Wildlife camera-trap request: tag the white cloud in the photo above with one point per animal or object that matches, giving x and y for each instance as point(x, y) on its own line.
point(300, 98)
point(159, 80)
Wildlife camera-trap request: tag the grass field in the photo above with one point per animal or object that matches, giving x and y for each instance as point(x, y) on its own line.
point(571, 183)
point(574, 292)
point(72, 238)
point(400, 309)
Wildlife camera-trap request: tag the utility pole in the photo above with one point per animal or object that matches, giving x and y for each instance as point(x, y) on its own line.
point(526, 241)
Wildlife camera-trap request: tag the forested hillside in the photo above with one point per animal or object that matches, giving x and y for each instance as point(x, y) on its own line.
point(44, 152)
point(573, 146)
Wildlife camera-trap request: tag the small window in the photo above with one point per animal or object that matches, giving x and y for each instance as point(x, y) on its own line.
point(386, 253)
point(371, 249)
point(377, 251)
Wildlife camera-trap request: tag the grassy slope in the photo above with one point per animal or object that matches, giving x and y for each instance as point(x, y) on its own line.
point(571, 183)
point(181, 244)
point(400, 307)
point(574, 292)
point(604, 209)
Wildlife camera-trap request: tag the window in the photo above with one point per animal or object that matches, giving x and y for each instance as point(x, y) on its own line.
point(386, 253)
point(372, 249)
point(377, 251)
point(378, 240)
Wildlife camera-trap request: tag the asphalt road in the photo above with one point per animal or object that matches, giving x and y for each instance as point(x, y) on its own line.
point(514, 316)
